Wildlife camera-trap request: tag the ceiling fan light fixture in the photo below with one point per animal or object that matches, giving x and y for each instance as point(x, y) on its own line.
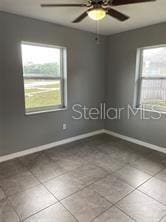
point(97, 14)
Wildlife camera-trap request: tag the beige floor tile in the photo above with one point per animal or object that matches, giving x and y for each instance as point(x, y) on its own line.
point(89, 174)
point(55, 213)
point(42, 167)
point(86, 205)
point(132, 176)
point(18, 183)
point(156, 189)
point(112, 188)
point(7, 214)
point(161, 175)
point(142, 208)
point(149, 165)
point(64, 186)
point(11, 168)
point(2, 195)
point(113, 215)
point(31, 201)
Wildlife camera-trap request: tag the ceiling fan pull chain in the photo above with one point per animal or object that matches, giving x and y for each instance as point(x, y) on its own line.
point(97, 33)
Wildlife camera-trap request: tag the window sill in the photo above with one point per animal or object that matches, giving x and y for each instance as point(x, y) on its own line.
point(45, 111)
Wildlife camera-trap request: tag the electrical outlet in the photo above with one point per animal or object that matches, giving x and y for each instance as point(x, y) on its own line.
point(64, 126)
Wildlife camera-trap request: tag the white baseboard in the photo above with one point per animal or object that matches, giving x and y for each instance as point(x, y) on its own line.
point(49, 146)
point(79, 137)
point(136, 141)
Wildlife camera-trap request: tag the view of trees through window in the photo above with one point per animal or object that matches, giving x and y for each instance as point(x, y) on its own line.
point(45, 70)
point(42, 76)
point(153, 77)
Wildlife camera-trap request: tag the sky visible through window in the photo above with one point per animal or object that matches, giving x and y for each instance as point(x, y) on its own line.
point(39, 54)
point(154, 62)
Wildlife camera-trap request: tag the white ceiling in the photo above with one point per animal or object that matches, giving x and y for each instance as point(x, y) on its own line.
point(141, 15)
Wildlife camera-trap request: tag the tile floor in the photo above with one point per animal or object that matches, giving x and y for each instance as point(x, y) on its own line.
point(99, 179)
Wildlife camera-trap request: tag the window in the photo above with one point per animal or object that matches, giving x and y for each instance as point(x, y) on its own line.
point(44, 73)
point(151, 82)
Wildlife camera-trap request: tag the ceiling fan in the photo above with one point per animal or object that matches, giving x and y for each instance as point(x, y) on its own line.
point(98, 9)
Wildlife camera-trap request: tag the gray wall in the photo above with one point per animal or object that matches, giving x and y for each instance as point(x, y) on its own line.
point(95, 73)
point(121, 82)
point(1, 82)
point(86, 80)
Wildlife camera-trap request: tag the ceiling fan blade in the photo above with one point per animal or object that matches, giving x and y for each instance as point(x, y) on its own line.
point(124, 2)
point(81, 17)
point(63, 5)
point(118, 15)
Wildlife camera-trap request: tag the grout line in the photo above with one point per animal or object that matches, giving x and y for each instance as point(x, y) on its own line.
point(128, 162)
point(136, 189)
point(38, 212)
point(28, 188)
point(146, 193)
point(101, 213)
point(162, 218)
point(10, 204)
point(150, 177)
point(45, 207)
point(152, 198)
point(104, 199)
point(124, 197)
point(40, 183)
point(21, 191)
point(88, 185)
point(146, 171)
point(125, 213)
point(58, 201)
point(112, 204)
point(8, 196)
point(69, 211)
point(85, 187)
point(67, 172)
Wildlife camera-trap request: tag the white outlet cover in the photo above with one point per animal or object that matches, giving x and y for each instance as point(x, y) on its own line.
point(64, 126)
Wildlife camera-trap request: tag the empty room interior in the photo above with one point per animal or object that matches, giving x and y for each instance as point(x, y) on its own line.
point(83, 111)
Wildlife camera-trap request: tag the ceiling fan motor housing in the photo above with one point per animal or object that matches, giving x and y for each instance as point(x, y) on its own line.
point(98, 2)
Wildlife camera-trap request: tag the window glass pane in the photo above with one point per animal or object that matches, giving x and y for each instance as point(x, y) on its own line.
point(42, 93)
point(40, 61)
point(154, 62)
point(42, 76)
point(154, 93)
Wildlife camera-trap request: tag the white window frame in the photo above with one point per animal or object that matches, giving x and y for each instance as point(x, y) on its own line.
point(62, 79)
point(140, 78)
